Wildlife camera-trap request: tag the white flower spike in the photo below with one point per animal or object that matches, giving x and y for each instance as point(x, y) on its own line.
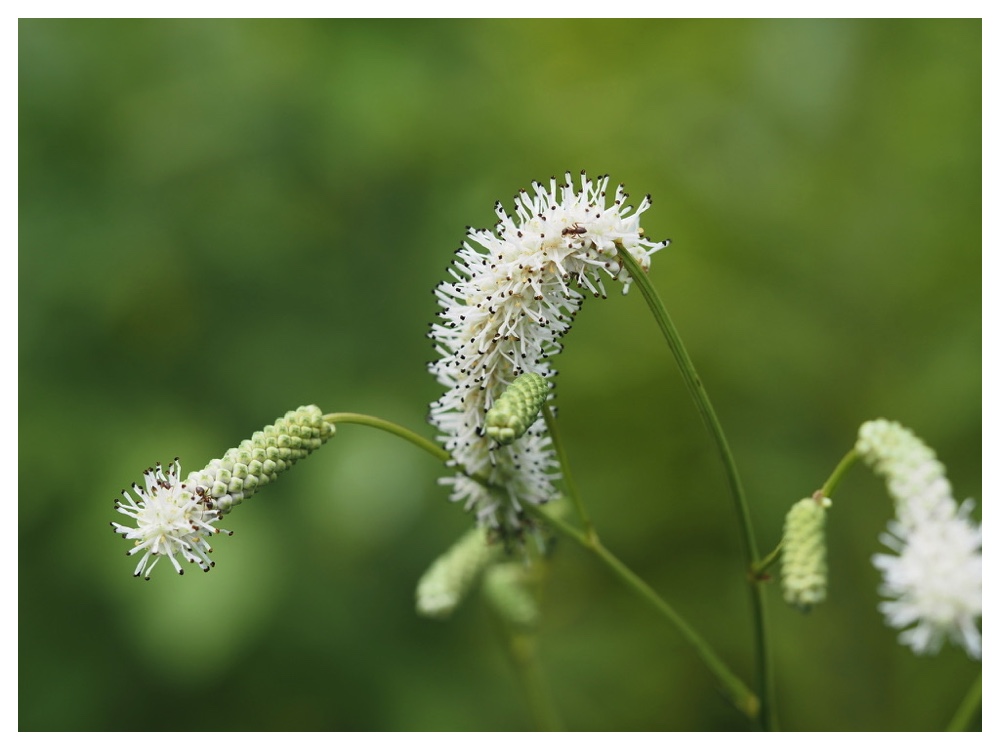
point(934, 583)
point(514, 294)
point(174, 519)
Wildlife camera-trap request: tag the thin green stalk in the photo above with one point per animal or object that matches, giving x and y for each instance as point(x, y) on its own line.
point(770, 559)
point(575, 497)
point(740, 695)
point(735, 689)
point(382, 424)
point(826, 491)
point(966, 712)
point(765, 676)
point(838, 473)
point(430, 446)
point(521, 647)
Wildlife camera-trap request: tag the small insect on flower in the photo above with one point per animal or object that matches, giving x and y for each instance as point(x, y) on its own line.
point(517, 408)
point(575, 231)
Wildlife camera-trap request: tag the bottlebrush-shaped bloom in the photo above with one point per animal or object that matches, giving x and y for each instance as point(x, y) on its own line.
point(934, 583)
point(175, 518)
point(514, 294)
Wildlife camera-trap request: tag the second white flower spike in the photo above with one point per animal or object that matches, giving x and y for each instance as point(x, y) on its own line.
point(934, 582)
point(514, 294)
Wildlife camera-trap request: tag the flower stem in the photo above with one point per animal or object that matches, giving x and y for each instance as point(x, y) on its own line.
point(838, 473)
point(382, 424)
point(770, 559)
point(738, 693)
point(765, 675)
point(735, 690)
point(826, 491)
point(966, 712)
point(521, 647)
point(574, 494)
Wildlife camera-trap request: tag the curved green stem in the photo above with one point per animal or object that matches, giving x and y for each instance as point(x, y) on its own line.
point(826, 491)
point(420, 441)
point(838, 473)
point(521, 647)
point(769, 559)
point(575, 497)
point(738, 693)
point(382, 424)
point(966, 712)
point(765, 676)
point(735, 690)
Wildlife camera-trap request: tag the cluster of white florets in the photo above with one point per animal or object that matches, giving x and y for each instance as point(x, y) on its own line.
point(173, 519)
point(515, 292)
point(934, 582)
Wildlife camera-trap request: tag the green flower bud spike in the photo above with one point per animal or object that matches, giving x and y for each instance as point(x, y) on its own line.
point(452, 575)
point(517, 408)
point(258, 461)
point(803, 558)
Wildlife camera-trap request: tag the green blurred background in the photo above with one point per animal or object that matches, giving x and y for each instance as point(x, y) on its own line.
point(222, 220)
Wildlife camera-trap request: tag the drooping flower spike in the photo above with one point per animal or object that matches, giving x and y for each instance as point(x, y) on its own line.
point(934, 582)
point(513, 295)
point(452, 575)
point(175, 518)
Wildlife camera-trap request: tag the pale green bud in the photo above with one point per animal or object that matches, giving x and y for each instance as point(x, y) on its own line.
point(803, 555)
point(453, 574)
point(243, 470)
point(510, 589)
point(915, 478)
point(517, 408)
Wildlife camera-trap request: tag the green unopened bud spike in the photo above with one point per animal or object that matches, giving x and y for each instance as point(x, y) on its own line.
point(239, 474)
point(510, 589)
point(803, 557)
point(517, 408)
point(452, 575)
